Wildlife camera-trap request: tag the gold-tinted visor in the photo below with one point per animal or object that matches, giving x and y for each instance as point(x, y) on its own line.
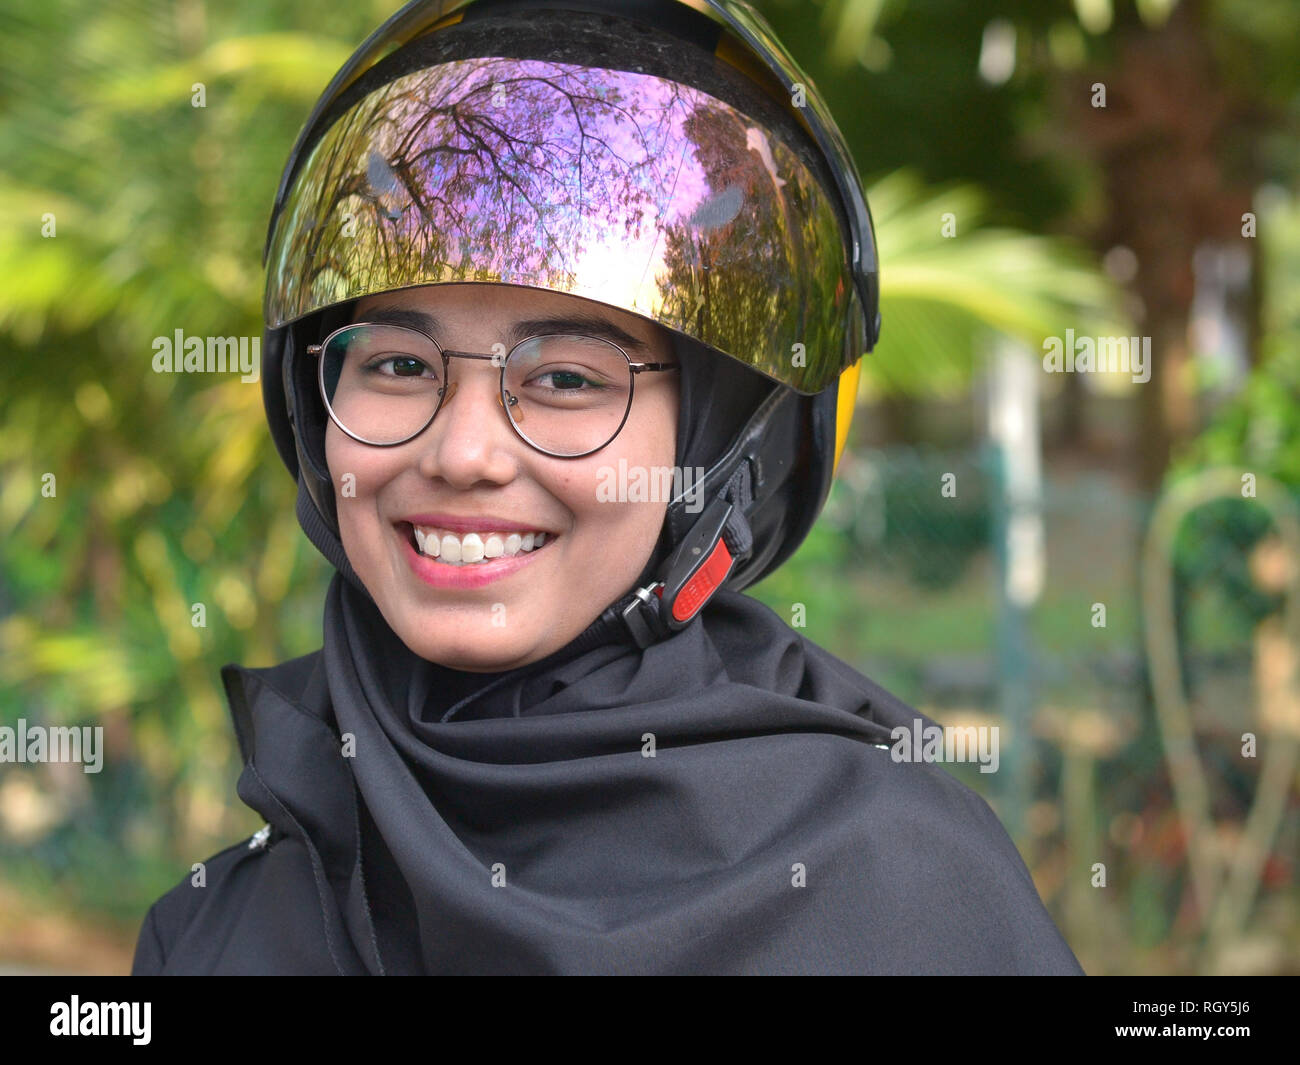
point(633, 190)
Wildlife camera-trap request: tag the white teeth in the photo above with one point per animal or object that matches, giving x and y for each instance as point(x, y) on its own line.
point(472, 548)
point(450, 548)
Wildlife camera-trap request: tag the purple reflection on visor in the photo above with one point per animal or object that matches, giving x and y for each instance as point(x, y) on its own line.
point(636, 191)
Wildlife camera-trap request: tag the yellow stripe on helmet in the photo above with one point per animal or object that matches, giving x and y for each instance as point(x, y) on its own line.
point(845, 403)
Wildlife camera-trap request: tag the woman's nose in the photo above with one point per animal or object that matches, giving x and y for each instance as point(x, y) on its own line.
point(469, 439)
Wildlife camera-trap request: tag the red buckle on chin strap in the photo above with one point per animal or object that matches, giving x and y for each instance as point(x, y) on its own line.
point(703, 583)
point(696, 569)
point(698, 566)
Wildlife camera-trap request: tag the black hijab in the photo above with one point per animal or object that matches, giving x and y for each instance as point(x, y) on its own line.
point(721, 801)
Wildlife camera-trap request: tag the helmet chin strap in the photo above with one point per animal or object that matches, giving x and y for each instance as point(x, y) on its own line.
point(709, 547)
point(698, 566)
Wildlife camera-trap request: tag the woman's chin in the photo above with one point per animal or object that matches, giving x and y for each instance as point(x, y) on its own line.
point(485, 655)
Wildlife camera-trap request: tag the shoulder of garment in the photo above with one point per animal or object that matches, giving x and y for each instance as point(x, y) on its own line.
point(212, 921)
point(944, 883)
point(937, 854)
point(216, 921)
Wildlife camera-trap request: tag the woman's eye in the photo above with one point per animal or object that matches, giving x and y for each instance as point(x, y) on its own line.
point(566, 380)
point(402, 366)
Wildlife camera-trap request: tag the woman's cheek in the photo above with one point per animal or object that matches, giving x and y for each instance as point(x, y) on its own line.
point(355, 484)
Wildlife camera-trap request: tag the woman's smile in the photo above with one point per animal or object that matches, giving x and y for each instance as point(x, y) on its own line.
point(468, 561)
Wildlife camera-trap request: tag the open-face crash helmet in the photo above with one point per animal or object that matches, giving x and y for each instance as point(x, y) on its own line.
point(665, 157)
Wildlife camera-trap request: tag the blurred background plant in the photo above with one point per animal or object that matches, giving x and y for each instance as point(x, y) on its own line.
point(1009, 208)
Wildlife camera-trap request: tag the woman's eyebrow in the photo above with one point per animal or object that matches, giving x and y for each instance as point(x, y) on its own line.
point(590, 325)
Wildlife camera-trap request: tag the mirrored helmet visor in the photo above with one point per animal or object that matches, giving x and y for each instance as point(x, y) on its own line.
point(636, 191)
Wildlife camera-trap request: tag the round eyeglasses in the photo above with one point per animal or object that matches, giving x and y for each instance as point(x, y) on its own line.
point(566, 395)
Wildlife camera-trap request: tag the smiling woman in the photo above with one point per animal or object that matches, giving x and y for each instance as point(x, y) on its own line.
point(519, 245)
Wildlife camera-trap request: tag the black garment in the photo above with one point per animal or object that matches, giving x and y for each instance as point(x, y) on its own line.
point(524, 829)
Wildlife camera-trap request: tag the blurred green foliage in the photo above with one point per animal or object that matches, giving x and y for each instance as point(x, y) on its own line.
point(1257, 430)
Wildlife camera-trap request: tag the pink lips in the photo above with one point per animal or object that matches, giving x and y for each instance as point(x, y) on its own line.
point(442, 575)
